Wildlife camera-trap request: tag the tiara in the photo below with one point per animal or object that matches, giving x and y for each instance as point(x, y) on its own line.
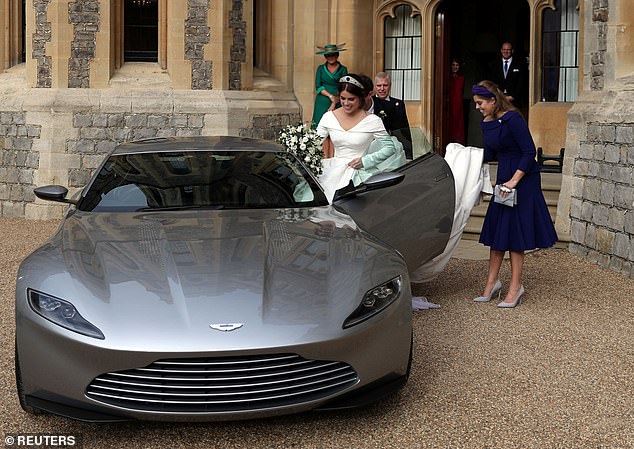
point(351, 80)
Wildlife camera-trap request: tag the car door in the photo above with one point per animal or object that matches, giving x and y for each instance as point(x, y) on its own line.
point(415, 216)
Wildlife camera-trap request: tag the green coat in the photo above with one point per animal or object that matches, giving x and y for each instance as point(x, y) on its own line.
point(328, 81)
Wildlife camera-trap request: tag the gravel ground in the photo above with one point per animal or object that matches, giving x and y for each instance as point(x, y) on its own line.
point(557, 372)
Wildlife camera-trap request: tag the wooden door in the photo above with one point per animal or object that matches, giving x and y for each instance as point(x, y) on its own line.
point(441, 64)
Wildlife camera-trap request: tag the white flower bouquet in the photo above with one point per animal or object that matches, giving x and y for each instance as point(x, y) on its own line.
point(305, 144)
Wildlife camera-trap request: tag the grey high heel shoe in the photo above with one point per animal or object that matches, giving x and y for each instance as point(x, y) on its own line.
point(518, 300)
point(497, 288)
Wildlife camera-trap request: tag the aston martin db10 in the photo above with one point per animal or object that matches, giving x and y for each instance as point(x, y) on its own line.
point(208, 278)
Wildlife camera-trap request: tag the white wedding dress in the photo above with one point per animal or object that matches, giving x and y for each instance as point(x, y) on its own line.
point(351, 144)
point(471, 178)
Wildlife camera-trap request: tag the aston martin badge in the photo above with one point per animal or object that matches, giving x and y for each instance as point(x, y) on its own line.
point(226, 327)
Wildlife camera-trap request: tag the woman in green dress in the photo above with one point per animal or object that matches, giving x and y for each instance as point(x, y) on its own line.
point(326, 81)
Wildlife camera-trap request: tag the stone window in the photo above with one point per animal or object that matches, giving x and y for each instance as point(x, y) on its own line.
point(139, 29)
point(140, 34)
point(560, 43)
point(402, 54)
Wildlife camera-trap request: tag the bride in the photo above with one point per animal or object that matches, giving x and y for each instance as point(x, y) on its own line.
point(352, 131)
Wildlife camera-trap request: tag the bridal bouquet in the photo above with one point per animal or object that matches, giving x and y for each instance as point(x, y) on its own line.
point(305, 144)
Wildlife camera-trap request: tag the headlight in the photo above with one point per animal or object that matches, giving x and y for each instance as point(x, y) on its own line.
point(62, 313)
point(374, 301)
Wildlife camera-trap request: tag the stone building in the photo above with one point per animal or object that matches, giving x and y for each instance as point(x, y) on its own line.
point(80, 76)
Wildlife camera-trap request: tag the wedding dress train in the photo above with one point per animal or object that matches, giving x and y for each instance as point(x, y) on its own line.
point(471, 179)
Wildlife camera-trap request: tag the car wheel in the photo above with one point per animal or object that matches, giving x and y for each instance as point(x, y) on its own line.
point(21, 396)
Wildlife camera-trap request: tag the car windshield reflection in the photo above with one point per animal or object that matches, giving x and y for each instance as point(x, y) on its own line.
point(201, 180)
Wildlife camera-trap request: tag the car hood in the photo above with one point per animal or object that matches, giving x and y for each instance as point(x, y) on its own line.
point(164, 277)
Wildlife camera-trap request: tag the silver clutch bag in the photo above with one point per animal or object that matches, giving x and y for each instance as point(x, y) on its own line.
point(511, 197)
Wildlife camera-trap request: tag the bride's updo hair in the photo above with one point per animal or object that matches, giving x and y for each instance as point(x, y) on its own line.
point(353, 84)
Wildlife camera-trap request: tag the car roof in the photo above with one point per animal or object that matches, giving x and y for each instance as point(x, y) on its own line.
point(196, 143)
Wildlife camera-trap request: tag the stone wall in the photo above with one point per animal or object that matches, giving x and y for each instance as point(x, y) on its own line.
point(41, 36)
point(197, 34)
point(84, 16)
point(99, 132)
point(599, 29)
point(267, 127)
point(596, 206)
point(602, 194)
point(238, 52)
point(18, 162)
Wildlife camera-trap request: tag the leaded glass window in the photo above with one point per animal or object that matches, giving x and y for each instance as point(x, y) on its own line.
point(560, 43)
point(403, 40)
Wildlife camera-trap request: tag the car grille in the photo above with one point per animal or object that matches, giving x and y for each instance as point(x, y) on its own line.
point(225, 384)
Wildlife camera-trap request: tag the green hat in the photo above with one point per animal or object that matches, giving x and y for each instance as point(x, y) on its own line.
point(330, 48)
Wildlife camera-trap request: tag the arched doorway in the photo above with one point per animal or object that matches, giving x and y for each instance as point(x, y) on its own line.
point(473, 32)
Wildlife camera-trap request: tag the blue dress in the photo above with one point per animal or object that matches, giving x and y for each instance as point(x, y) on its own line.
point(527, 225)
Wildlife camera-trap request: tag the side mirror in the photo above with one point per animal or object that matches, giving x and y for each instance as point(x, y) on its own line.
point(374, 182)
point(53, 193)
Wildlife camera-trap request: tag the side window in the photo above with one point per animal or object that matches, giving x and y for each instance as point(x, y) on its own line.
point(560, 42)
point(403, 40)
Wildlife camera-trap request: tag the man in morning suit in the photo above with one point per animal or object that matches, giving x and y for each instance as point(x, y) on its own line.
point(395, 122)
point(392, 111)
point(510, 74)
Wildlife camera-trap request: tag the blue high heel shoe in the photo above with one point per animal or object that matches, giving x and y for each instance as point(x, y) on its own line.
point(516, 301)
point(497, 288)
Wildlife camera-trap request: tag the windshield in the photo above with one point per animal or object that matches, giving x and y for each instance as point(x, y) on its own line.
point(201, 179)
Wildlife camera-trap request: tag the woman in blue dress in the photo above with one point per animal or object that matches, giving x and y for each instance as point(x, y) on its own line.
point(327, 80)
point(527, 225)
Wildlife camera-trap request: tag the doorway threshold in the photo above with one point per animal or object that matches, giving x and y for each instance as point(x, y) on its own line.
point(265, 82)
point(145, 75)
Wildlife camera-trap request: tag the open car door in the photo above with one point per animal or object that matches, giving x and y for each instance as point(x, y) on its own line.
point(414, 216)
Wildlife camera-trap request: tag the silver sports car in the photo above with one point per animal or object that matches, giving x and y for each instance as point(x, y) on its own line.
point(210, 279)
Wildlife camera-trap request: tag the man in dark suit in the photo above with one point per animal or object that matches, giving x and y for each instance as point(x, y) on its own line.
point(392, 111)
point(509, 73)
